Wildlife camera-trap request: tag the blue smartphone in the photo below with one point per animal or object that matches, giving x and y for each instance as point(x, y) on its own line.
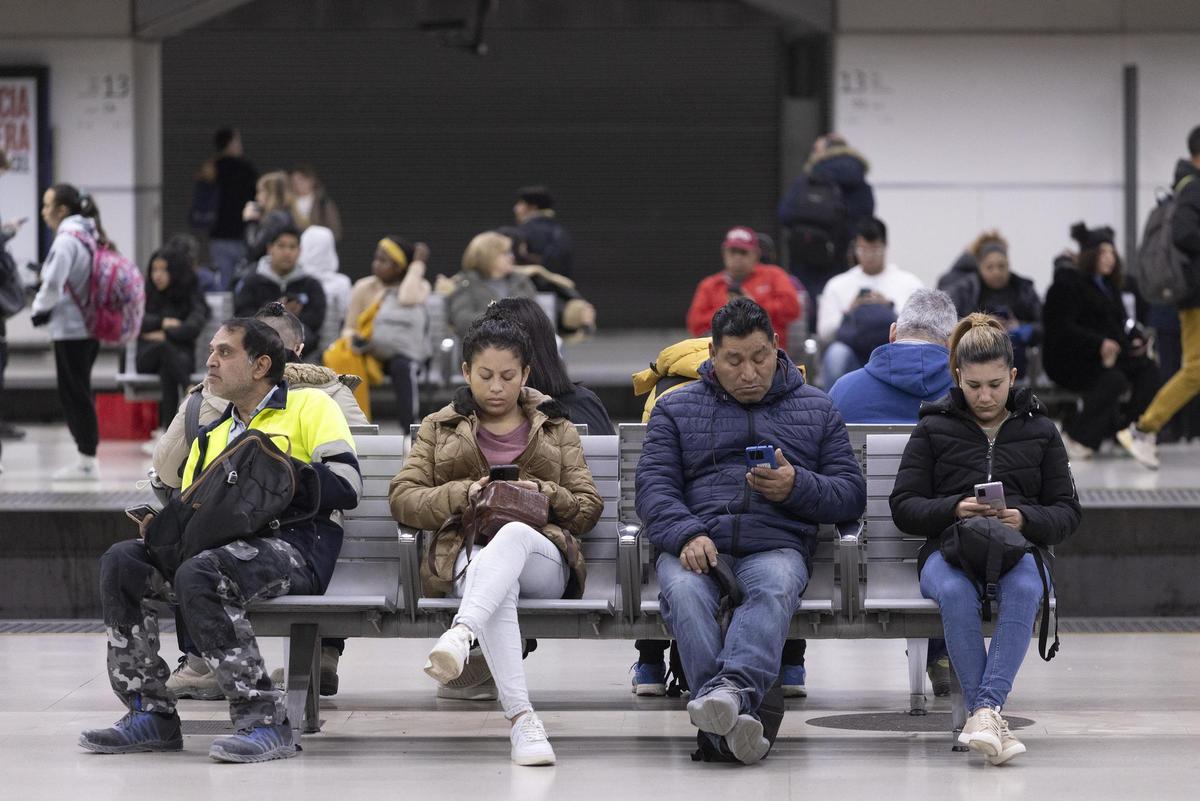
point(760, 456)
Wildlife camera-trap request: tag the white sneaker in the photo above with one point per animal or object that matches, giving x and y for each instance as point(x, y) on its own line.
point(1009, 746)
point(484, 691)
point(79, 471)
point(195, 679)
point(1140, 444)
point(530, 745)
point(1077, 451)
point(982, 732)
point(449, 654)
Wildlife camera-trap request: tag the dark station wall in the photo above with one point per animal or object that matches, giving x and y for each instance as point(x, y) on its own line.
point(655, 123)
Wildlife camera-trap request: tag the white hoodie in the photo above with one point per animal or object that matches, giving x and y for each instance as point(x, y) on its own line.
point(319, 258)
point(69, 261)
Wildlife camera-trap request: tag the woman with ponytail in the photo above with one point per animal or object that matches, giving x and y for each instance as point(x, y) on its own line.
point(985, 431)
point(66, 279)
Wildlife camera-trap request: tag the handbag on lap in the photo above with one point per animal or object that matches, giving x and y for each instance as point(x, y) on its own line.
point(493, 507)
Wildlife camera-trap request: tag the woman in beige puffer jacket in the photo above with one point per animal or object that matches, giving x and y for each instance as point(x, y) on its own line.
point(497, 420)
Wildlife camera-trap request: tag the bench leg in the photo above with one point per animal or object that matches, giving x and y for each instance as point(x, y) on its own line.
point(303, 674)
point(958, 710)
point(918, 650)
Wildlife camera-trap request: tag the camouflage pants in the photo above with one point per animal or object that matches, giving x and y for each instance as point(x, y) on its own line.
point(212, 590)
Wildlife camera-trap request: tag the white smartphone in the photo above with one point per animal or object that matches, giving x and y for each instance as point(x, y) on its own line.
point(991, 494)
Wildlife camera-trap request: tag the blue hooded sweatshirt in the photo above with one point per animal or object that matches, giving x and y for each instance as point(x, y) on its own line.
point(691, 478)
point(891, 388)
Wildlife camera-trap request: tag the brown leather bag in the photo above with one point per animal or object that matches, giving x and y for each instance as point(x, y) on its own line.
point(493, 507)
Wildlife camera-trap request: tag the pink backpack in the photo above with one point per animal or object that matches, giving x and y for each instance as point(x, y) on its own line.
point(117, 296)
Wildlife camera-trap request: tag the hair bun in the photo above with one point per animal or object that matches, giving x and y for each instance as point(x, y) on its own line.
point(1079, 232)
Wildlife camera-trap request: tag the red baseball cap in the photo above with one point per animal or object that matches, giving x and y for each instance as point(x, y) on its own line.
point(742, 238)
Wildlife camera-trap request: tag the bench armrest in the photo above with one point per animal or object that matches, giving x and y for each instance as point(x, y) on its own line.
point(848, 547)
point(629, 569)
point(410, 567)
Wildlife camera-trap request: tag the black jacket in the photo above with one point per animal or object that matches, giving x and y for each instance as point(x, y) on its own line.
point(1185, 228)
point(1077, 317)
point(966, 290)
point(948, 454)
point(262, 287)
point(190, 309)
point(547, 237)
point(583, 406)
point(236, 180)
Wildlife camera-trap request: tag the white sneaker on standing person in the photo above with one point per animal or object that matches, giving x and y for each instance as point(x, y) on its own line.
point(497, 420)
point(66, 279)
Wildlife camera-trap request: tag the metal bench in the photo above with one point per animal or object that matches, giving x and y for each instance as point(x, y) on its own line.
point(591, 616)
point(366, 594)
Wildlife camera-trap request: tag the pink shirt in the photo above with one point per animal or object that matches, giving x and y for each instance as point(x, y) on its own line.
point(503, 448)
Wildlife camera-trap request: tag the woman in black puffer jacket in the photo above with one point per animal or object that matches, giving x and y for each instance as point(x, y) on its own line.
point(985, 431)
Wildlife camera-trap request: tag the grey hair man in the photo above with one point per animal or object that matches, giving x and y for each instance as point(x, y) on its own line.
point(911, 368)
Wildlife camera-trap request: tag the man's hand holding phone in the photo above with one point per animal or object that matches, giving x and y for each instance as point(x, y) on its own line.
point(142, 515)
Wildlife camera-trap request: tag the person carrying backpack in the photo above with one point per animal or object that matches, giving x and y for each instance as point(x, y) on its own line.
point(60, 302)
point(822, 209)
point(1141, 435)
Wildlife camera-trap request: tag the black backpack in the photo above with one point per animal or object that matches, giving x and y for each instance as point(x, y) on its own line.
point(770, 711)
point(985, 549)
point(817, 223)
point(253, 489)
point(12, 293)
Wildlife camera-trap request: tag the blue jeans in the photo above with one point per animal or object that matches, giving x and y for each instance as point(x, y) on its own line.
point(226, 255)
point(749, 656)
point(838, 360)
point(986, 675)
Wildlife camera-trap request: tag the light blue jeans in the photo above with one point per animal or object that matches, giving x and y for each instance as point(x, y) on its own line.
point(748, 658)
point(226, 255)
point(838, 360)
point(986, 675)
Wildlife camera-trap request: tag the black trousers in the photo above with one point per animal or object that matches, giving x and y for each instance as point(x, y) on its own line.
point(73, 360)
point(1103, 414)
point(174, 364)
point(403, 372)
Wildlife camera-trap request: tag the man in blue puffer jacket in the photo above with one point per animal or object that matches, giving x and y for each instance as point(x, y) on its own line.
point(699, 503)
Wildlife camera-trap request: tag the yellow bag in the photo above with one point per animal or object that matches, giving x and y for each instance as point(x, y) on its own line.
point(341, 358)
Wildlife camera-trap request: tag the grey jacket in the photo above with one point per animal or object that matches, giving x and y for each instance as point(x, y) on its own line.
point(472, 295)
point(68, 262)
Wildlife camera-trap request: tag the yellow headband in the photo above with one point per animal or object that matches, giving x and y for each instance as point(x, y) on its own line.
point(394, 252)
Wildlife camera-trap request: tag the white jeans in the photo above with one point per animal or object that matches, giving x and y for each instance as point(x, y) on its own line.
point(518, 562)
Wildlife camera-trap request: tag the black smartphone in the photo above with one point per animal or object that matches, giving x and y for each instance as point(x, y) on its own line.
point(138, 513)
point(504, 472)
point(862, 293)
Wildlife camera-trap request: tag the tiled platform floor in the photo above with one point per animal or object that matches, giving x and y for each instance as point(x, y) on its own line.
point(1116, 716)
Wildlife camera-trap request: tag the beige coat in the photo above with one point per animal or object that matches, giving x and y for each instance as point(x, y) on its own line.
point(172, 449)
point(445, 460)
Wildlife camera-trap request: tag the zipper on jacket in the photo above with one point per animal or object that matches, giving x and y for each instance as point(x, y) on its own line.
point(992, 445)
point(737, 519)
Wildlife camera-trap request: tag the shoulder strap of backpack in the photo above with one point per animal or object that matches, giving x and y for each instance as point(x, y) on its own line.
point(991, 576)
point(1184, 181)
point(191, 417)
point(1044, 629)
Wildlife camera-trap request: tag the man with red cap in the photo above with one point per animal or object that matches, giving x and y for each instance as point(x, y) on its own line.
point(767, 285)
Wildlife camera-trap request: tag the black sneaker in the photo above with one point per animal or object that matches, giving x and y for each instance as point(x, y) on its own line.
point(259, 744)
point(134, 733)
